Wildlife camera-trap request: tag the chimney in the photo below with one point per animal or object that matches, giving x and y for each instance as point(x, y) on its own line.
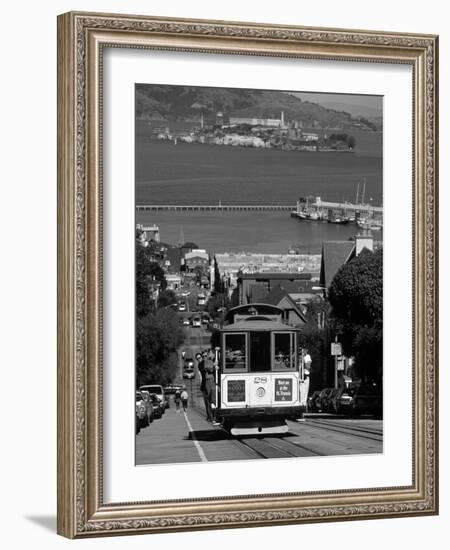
point(364, 240)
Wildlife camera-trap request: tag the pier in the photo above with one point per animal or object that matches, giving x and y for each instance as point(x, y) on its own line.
point(350, 206)
point(214, 207)
point(257, 207)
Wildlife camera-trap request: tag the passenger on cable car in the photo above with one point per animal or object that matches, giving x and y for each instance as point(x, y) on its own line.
point(206, 370)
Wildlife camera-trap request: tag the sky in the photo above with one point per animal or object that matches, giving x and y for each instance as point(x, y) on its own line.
point(355, 104)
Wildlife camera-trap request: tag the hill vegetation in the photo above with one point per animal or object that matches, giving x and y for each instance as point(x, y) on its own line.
point(176, 103)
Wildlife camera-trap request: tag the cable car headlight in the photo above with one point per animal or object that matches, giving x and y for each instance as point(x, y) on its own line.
point(260, 392)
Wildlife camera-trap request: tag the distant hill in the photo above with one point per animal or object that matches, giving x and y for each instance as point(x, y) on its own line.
point(176, 103)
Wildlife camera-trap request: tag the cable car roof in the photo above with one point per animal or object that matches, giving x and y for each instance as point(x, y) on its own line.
point(251, 323)
point(253, 308)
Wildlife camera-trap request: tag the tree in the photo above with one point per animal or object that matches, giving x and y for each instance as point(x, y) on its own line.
point(356, 298)
point(147, 272)
point(158, 336)
point(158, 332)
point(217, 305)
point(167, 298)
point(313, 337)
point(351, 142)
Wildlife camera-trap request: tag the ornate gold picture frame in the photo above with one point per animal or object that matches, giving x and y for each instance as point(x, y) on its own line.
point(82, 40)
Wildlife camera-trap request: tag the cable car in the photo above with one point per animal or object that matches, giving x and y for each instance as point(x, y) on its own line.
point(259, 372)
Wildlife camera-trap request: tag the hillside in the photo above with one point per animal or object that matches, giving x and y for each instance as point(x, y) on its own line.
point(176, 103)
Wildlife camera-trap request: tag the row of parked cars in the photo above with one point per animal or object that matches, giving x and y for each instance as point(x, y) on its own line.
point(151, 404)
point(353, 400)
point(152, 400)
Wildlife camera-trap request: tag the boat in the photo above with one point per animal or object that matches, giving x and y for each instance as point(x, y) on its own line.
point(307, 212)
point(311, 216)
point(373, 225)
point(341, 220)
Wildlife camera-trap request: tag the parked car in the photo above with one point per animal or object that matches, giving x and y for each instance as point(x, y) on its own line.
point(313, 401)
point(206, 319)
point(196, 321)
point(158, 409)
point(141, 412)
point(186, 321)
point(182, 306)
point(149, 405)
point(368, 399)
point(322, 399)
point(170, 389)
point(330, 403)
point(158, 390)
point(345, 400)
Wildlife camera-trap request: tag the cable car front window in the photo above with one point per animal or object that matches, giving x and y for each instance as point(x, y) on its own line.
point(283, 351)
point(235, 352)
point(259, 351)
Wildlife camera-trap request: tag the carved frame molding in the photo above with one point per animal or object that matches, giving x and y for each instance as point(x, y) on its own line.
point(81, 39)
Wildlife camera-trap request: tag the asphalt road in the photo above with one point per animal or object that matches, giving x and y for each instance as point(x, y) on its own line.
point(197, 339)
point(186, 437)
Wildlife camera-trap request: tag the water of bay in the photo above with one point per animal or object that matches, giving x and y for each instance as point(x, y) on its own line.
point(209, 174)
point(269, 232)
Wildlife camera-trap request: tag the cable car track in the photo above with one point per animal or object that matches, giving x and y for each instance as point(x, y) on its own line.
point(340, 425)
point(356, 432)
point(287, 440)
point(267, 448)
point(278, 447)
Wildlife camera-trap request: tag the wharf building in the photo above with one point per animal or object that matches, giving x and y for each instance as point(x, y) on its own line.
point(227, 266)
point(148, 233)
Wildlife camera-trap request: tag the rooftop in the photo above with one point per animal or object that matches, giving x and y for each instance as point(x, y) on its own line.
point(283, 275)
point(334, 255)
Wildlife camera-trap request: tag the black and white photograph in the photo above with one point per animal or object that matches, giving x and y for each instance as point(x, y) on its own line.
point(259, 274)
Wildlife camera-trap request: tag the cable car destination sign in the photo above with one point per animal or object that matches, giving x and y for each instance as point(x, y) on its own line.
point(283, 389)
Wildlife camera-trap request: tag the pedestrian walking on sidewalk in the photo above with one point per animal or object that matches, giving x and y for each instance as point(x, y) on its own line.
point(184, 398)
point(177, 398)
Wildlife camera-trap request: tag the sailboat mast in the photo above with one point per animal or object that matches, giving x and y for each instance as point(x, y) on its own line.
point(357, 194)
point(364, 191)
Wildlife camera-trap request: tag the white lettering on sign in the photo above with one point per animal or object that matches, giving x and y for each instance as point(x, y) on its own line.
point(283, 389)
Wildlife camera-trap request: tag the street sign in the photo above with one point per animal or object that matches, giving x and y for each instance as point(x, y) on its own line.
point(336, 348)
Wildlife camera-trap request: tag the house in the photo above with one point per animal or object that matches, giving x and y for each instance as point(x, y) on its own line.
point(292, 312)
point(337, 253)
point(253, 286)
point(173, 281)
point(334, 255)
point(196, 258)
point(302, 290)
point(172, 260)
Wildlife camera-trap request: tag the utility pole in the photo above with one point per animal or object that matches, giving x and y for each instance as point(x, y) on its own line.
point(336, 350)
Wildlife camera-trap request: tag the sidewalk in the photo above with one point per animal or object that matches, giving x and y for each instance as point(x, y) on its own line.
point(168, 440)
